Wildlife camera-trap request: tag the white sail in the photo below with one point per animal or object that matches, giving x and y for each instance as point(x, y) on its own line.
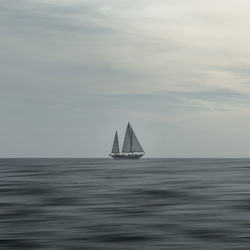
point(136, 146)
point(127, 143)
point(115, 148)
point(131, 143)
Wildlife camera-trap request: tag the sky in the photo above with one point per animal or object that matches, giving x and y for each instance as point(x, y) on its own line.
point(72, 72)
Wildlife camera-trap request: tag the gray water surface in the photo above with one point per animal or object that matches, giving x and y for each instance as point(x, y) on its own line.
point(130, 204)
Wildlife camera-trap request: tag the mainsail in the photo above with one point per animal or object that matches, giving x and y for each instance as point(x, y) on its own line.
point(115, 148)
point(127, 143)
point(131, 143)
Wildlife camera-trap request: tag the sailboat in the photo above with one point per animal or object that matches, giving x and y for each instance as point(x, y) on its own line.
point(131, 149)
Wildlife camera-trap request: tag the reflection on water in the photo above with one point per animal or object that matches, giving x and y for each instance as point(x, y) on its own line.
point(106, 204)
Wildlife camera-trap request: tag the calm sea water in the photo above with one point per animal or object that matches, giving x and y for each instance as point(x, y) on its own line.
point(141, 204)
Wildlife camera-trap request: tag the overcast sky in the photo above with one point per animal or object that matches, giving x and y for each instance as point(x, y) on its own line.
point(74, 71)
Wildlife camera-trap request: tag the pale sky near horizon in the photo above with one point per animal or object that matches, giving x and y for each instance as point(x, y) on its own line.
point(74, 71)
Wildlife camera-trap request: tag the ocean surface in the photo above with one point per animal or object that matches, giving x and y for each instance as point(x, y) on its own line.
point(129, 204)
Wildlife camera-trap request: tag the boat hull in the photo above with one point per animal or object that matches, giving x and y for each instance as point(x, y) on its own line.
point(126, 157)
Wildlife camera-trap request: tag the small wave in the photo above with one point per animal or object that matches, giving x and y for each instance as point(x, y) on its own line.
point(19, 244)
point(122, 237)
point(210, 234)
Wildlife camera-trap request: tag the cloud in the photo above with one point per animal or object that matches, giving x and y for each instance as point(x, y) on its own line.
point(133, 46)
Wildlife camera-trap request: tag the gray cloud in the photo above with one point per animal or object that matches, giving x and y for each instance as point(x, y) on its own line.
point(31, 17)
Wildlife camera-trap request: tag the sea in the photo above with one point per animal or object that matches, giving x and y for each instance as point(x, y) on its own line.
point(148, 204)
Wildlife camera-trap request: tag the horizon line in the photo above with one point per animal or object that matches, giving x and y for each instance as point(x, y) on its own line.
point(160, 157)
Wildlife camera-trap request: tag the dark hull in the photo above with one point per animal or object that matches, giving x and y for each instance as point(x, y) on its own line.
point(126, 157)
